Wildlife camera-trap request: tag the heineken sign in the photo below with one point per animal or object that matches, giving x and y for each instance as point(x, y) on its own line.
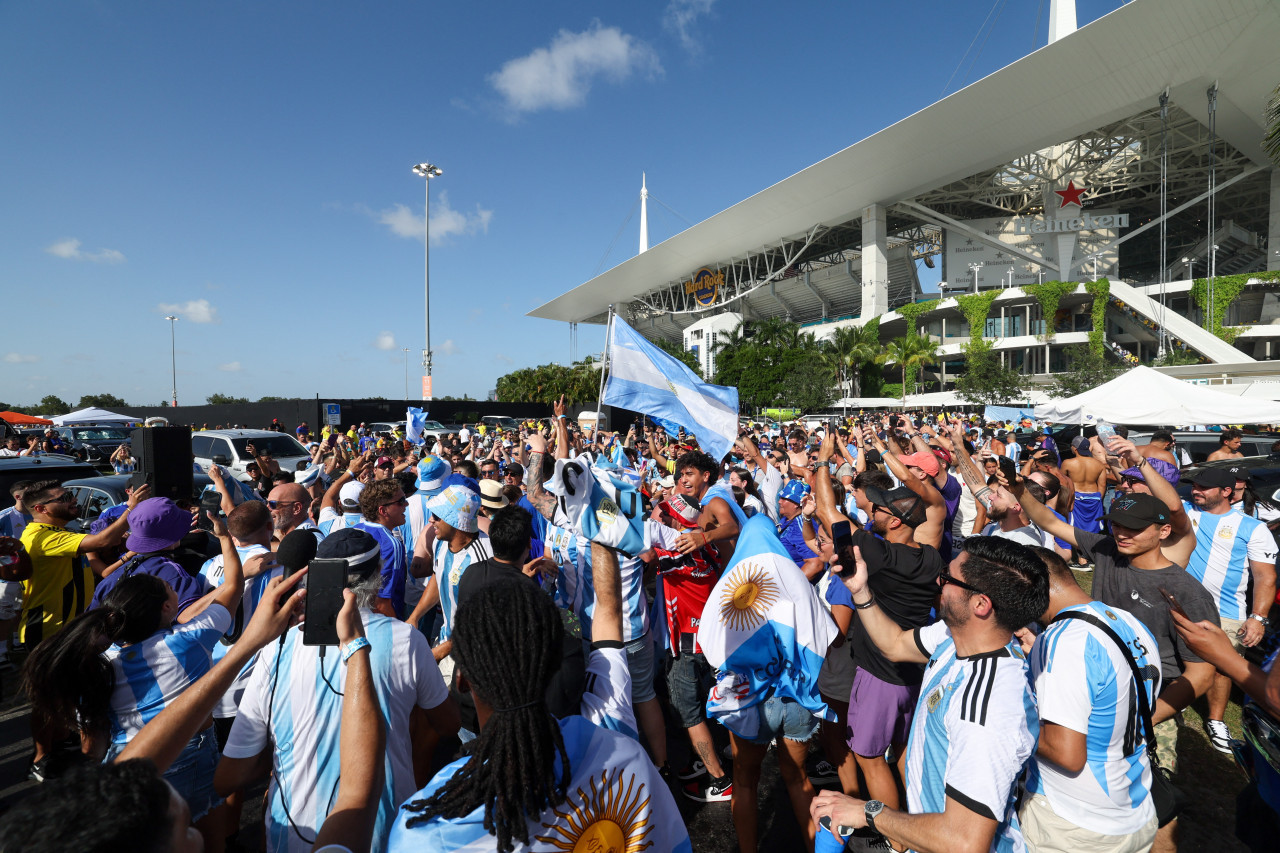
point(1084, 222)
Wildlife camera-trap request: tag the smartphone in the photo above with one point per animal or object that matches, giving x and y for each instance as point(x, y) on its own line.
point(1106, 432)
point(210, 505)
point(325, 581)
point(1173, 603)
point(1008, 468)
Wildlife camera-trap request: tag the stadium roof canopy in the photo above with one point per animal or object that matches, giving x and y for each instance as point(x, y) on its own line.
point(1098, 87)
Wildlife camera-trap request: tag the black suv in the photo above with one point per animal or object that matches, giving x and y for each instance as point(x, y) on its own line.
point(54, 466)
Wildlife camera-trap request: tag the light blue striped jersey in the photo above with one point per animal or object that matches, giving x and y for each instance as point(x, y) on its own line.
point(447, 568)
point(606, 697)
point(1082, 682)
point(575, 589)
point(1224, 546)
point(395, 563)
point(12, 522)
point(289, 704)
point(331, 521)
point(152, 673)
point(212, 571)
point(615, 801)
point(974, 728)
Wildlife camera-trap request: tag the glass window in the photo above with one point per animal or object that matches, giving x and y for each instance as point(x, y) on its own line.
point(200, 446)
point(277, 445)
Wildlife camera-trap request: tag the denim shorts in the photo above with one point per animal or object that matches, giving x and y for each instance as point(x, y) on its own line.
point(784, 717)
point(688, 682)
point(640, 662)
point(191, 773)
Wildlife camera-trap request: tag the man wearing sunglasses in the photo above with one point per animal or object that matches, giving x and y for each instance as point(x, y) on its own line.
point(383, 505)
point(975, 724)
point(290, 506)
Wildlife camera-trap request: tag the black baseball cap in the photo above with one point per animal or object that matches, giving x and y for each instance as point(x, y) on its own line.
point(904, 504)
point(1240, 472)
point(1138, 511)
point(358, 548)
point(1214, 478)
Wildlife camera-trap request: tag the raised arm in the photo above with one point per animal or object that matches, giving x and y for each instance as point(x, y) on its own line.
point(968, 469)
point(893, 642)
point(1039, 514)
point(542, 500)
point(606, 620)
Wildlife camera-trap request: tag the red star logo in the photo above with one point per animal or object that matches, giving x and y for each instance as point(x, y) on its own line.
point(1071, 195)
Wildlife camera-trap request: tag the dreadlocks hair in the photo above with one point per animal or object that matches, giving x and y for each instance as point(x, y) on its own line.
point(507, 640)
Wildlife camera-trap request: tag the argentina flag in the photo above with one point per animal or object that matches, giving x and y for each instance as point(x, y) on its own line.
point(415, 421)
point(764, 631)
point(647, 380)
point(616, 801)
point(600, 501)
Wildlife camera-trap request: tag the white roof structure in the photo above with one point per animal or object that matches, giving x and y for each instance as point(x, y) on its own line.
point(1113, 68)
point(1144, 396)
point(93, 415)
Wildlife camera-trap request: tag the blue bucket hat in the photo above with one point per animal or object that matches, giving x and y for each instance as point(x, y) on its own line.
point(456, 506)
point(795, 491)
point(431, 473)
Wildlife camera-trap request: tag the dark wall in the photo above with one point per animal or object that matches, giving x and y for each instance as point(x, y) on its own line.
point(293, 412)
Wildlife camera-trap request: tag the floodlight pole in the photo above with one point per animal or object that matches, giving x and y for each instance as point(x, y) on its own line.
point(974, 267)
point(427, 171)
point(604, 365)
point(173, 356)
point(405, 350)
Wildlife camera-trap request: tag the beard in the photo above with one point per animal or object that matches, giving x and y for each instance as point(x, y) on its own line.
point(63, 511)
point(953, 615)
point(998, 514)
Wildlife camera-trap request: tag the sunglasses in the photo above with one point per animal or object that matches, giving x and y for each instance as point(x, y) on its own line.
point(401, 501)
point(946, 578)
point(64, 498)
point(489, 472)
point(278, 504)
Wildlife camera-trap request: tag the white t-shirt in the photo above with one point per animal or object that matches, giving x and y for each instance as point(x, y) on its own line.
point(254, 587)
point(1028, 535)
point(302, 716)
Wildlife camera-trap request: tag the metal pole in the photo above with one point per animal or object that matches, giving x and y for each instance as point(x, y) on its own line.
point(405, 350)
point(426, 282)
point(173, 357)
point(604, 365)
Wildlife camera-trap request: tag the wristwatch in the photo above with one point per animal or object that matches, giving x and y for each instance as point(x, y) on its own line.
point(1266, 623)
point(871, 808)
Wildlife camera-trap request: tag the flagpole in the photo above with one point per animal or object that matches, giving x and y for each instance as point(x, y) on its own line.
point(608, 340)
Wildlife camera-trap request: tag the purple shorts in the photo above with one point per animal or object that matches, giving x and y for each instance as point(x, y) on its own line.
point(879, 714)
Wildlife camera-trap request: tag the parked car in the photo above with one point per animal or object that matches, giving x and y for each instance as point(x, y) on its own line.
point(95, 495)
point(54, 466)
point(95, 444)
point(500, 421)
point(384, 426)
point(230, 449)
point(1198, 445)
point(1264, 475)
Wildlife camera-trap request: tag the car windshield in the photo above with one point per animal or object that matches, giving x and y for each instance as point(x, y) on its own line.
point(276, 445)
point(433, 425)
point(100, 434)
point(504, 423)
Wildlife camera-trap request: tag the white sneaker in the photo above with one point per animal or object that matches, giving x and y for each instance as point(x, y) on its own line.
point(1219, 735)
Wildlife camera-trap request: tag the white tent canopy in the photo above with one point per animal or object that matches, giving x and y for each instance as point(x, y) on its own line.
point(93, 415)
point(1146, 396)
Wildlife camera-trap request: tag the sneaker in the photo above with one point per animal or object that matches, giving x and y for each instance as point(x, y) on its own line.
point(823, 772)
point(692, 770)
point(710, 790)
point(39, 770)
point(1219, 736)
point(1082, 567)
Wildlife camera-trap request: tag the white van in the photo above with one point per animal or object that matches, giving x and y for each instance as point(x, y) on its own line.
point(229, 448)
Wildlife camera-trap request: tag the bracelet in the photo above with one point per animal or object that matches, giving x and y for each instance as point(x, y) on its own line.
point(870, 601)
point(354, 646)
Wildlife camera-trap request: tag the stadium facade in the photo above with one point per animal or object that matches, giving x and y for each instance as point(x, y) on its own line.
point(1128, 150)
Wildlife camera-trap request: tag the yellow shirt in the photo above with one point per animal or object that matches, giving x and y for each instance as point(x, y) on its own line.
point(60, 585)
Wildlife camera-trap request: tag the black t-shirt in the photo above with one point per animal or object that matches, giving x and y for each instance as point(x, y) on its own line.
point(1120, 585)
point(904, 581)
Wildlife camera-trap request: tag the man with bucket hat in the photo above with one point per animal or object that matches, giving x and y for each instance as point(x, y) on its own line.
point(156, 527)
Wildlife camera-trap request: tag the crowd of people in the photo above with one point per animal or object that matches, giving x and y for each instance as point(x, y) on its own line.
point(529, 625)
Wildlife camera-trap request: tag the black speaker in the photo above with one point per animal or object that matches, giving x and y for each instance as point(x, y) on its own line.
point(164, 461)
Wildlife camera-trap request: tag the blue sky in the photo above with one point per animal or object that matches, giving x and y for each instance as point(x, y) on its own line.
point(247, 167)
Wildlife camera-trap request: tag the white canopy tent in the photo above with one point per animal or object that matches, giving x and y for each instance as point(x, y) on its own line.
point(93, 415)
point(1146, 396)
point(866, 403)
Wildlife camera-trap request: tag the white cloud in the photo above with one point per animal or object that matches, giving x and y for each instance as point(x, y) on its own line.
point(70, 250)
point(680, 17)
point(449, 348)
point(445, 221)
point(558, 77)
point(385, 340)
point(195, 311)
point(20, 358)
point(230, 367)
point(504, 359)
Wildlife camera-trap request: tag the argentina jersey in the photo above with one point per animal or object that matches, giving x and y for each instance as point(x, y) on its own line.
point(974, 727)
point(331, 521)
point(395, 563)
point(152, 673)
point(575, 589)
point(606, 696)
point(213, 572)
point(1224, 546)
point(448, 568)
point(1083, 682)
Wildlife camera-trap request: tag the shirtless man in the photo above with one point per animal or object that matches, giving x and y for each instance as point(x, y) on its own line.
point(1160, 447)
point(797, 454)
point(1229, 442)
point(1089, 480)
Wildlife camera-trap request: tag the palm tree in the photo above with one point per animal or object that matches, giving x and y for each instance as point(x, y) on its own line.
point(910, 350)
point(852, 347)
point(777, 331)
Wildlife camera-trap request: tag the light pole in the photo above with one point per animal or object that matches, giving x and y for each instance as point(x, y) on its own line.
point(405, 350)
point(974, 267)
point(173, 356)
point(427, 171)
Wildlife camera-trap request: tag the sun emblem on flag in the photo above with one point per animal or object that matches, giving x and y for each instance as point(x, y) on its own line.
point(672, 386)
point(611, 817)
point(748, 595)
point(606, 513)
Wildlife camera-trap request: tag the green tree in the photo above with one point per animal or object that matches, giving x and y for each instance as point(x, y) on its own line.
point(909, 353)
point(986, 381)
point(53, 405)
point(224, 400)
point(1086, 369)
point(102, 401)
point(680, 354)
point(271, 399)
point(854, 347)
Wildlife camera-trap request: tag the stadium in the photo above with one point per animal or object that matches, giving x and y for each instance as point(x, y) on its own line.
point(1125, 156)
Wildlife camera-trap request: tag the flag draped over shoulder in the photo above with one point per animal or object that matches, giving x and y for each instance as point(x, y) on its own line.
point(647, 380)
point(415, 421)
point(765, 632)
point(600, 501)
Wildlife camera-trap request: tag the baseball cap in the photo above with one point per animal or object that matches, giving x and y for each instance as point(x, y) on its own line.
point(384, 462)
point(1138, 511)
point(457, 506)
point(926, 462)
point(667, 482)
point(356, 546)
point(155, 524)
point(682, 510)
point(944, 455)
point(1214, 478)
point(1165, 469)
point(432, 470)
point(1080, 443)
point(1240, 472)
point(349, 496)
point(795, 491)
point(491, 495)
point(904, 504)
